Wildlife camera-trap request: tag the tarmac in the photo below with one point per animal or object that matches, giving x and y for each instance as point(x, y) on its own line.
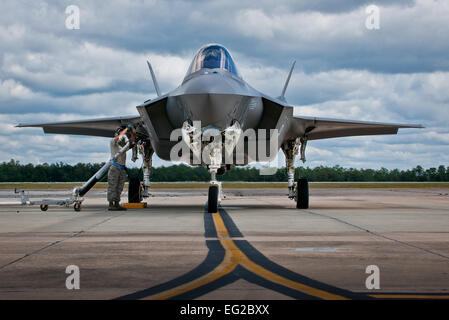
point(257, 246)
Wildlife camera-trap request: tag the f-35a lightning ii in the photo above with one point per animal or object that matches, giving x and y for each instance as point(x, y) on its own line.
point(213, 97)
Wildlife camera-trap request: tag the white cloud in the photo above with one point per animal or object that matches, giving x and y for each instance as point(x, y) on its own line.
point(11, 89)
point(398, 74)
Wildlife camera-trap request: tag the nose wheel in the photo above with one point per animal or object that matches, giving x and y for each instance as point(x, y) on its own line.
point(302, 194)
point(212, 200)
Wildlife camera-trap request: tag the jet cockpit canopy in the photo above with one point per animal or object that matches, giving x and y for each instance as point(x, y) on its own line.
point(213, 56)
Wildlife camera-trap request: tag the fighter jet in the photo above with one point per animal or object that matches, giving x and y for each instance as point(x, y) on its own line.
point(212, 111)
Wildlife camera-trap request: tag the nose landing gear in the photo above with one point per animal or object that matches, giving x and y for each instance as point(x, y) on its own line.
point(212, 199)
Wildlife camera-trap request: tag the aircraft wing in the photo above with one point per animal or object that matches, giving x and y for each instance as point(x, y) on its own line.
point(322, 128)
point(103, 127)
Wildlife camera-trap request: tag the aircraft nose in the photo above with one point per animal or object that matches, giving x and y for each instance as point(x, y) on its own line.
point(212, 109)
point(212, 98)
point(212, 82)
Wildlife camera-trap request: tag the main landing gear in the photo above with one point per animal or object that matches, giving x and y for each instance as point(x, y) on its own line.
point(134, 190)
point(300, 192)
point(138, 190)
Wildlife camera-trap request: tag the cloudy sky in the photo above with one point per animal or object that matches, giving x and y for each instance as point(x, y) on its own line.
point(398, 73)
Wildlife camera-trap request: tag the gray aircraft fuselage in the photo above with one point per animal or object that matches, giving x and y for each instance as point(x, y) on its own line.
point(215, 97)
point(214, 94)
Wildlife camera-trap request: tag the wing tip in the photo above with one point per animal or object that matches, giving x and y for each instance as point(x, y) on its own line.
point(28, 125)
point(413, 126)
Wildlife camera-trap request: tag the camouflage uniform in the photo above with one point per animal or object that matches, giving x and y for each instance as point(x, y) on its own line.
point(116, 181)
point(116, 175)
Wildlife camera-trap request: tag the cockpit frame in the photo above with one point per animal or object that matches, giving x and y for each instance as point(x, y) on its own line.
point(213, 56)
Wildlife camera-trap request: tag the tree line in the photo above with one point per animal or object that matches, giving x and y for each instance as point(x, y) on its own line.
point(14, 171)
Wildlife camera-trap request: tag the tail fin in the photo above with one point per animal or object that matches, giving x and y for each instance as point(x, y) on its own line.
point(282, 97)
point(156, 85)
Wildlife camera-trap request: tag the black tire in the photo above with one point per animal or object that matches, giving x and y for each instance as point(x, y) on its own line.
point(44, 207)
point(212, 200)
point(77, 206)
point(134, 191)
point(302, 194)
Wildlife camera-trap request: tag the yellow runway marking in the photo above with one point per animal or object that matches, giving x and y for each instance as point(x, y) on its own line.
point(221, 270)
point(230, 261)
point(229, 245)
point(233, 257)
point(264, 273)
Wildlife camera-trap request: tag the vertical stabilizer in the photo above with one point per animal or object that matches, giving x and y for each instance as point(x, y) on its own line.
point(287, 81)
point(156, 85)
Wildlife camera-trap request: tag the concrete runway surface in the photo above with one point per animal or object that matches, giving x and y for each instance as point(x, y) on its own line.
point(258, 246)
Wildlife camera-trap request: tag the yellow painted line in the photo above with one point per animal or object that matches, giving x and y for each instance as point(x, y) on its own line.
point(229, 245)
point(221, 270)
point(264, 273)
point(233, 257)
point(408, 296)
point(222, 232)
point(230, 261)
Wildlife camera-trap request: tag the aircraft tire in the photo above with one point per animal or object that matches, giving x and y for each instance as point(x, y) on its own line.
point(212, 200)
point(302, 194)
point(77, 207)
point(134, 191)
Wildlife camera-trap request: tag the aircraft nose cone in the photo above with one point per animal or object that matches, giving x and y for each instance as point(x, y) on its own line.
point(212, 82)
point(212, 109)
point(212, 98)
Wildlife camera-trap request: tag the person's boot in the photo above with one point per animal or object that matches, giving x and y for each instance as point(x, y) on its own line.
point(112, 206)
point(119, 207)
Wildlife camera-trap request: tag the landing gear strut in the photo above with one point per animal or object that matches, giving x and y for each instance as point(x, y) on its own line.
point(215, 192)
point(300, 193)
point(136, 189)
point(211, 153)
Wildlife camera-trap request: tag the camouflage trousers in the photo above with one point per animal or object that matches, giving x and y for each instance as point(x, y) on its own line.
point(116, 181)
